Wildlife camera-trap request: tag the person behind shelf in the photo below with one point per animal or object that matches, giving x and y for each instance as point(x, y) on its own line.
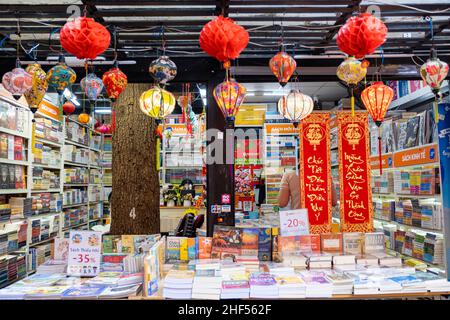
point(290, 192)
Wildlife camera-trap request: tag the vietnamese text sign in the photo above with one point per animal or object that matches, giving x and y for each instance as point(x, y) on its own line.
point(84, 253)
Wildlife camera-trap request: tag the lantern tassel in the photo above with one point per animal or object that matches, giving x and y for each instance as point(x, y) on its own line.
point(436, 111)
point(352, 104)
point(379, 150)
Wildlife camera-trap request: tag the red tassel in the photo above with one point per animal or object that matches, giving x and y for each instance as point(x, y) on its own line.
point(379, 150)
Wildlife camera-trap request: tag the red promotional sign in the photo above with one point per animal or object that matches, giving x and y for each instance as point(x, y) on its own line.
point(354, 172)
point(315, 171)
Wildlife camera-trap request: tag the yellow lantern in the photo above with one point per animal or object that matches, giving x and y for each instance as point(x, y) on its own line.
point(352, 71)
point(295, 106)
point(157, 103)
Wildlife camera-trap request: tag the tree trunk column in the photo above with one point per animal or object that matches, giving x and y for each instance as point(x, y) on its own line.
point(135, 197)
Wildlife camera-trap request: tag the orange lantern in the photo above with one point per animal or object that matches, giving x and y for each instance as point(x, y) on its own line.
point(83, 118)
point(282, 66)
point(377, 99)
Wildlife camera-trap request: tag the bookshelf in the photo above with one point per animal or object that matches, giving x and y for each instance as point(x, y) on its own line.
point(34, 210)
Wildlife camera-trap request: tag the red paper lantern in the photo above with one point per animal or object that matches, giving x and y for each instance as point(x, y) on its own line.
point(84, 38)
point(104, 128)
point(68, 107)
point(361, 35)
point(282, 66)
point(223, 39)
point(377, 99)
point(115, 81)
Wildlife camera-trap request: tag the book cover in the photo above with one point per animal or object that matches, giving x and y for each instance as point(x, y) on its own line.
point(82, 292)
point(3, 145)
point(331, 242)
point(173, 248)
point(12, 177)
point(10, 147)
point(310, 243)
point(249, 245)
point(18, 148)
point(127, 243)
point(143, 243)
point(373, 242)
point(204, 247)
point(264, 244)
point(353, 242)
point(61, 249)
point(226, 239)
point(183, 248)
point(192, 244)
point(109, 243)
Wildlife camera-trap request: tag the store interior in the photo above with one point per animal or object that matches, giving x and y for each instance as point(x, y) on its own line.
point(228, 149)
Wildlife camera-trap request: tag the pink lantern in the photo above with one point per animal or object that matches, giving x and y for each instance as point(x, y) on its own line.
point(17, 81)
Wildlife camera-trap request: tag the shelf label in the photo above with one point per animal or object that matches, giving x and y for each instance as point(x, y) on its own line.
point(386, 161)
point(294, 222)
point(84, 253)
point(281, 128)
point(50, 110)
point(416, 156)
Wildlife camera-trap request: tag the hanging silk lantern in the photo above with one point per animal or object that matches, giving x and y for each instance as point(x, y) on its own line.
point(104, 128)
point(295, 106)
point(163, 69)
point(115, 82)
point(186, 108)
point(376, 99)
point(229, 96)
point(361, 35)
point(92, 86)
point(223, 39)
point(352, 71)
point(433, 72)
point(17, 81)
point(84, 38)
point(157, 103)
point(84, 118)
point(282, 66)
point(68, 108)
point(38, 88)
point(61, 76)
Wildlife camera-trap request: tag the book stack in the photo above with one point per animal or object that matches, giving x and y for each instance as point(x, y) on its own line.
point(178, 284)
point(207, 285)
point(52, 266)
point(279, 269)
point(296, 260)
point(410, 283)
point(433, 282)
point(387, 260)
point(291, 286)
point(5, 212)
point(319, 260)
point(251, 263)
point(263, 285)
point(367, 260)
point(235, 289)
point(46, 293)
point(82, 292)
point(21, 208)
point(120, 292)
point(344, 259)
point(386, 286)
point(317, 285)
point(365, 286)
point(342, 283)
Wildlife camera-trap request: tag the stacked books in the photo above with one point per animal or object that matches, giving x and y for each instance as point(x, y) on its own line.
point(433, 282)
point(279, 269)
point(319, 260)
point(178, 284)
point(410, 283)
point(342, 283)
point(207, 285)
point(365, 287)
point(82, 292)
point(235, 289)
point(291, 286)
point(52, 266)
point(317, 285)
point(263, 285)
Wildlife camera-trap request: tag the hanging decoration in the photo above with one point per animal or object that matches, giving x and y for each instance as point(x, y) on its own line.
point(115, 81)
point(184, 100)
point(282, 66)
point(104, 128)
point(84, 118)
point(223, 39)
point(92, 86)
point(295, 106)
point(229, 96)
point(352, 71)
point(157, 103)
point(17, 81)
point(163, 69)
point(61, 76)
point(38, 88)
point(84, 38)
point(361, 35)
point(376, 99)
point(68, 108)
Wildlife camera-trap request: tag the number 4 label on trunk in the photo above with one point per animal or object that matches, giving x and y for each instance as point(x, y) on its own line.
point(294, 222)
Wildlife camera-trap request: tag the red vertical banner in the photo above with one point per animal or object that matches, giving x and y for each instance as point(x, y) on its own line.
point(315, 171)
point(354, 171)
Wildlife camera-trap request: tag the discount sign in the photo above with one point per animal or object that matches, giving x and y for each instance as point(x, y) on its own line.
point(294, 222)
point(84, 253)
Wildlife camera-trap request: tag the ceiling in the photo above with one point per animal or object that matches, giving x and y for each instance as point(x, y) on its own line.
point(309, 32)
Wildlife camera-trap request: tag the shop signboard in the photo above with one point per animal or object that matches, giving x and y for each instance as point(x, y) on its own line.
point(356, 209)
point(84, 253)
point(315, 171)
point(444, 156)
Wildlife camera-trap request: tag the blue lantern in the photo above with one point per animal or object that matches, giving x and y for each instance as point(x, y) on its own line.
point(92, 86)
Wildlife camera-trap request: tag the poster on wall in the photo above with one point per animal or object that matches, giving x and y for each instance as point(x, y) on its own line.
point(315, 171)
point(444, 159)
point(84, 253)
point(356, 208)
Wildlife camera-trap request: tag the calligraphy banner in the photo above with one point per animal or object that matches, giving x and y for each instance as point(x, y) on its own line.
point(354, 172)
point(315, 171)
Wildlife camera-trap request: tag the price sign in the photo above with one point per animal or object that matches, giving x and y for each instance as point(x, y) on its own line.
point(294, 222)
point(84, 253)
